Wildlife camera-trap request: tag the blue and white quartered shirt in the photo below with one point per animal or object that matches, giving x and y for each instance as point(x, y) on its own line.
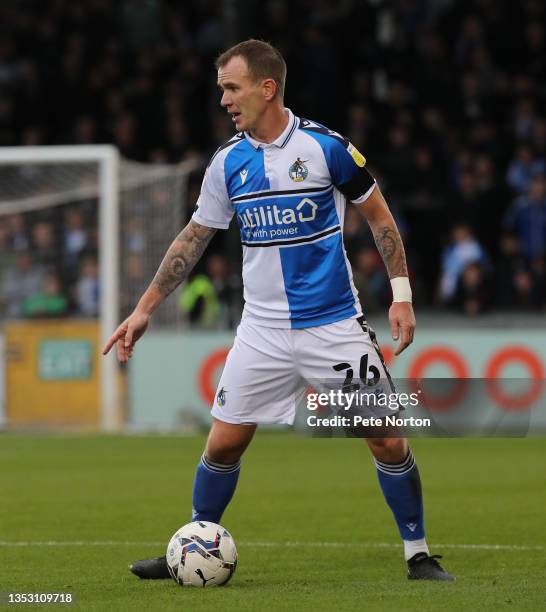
point(289, 199)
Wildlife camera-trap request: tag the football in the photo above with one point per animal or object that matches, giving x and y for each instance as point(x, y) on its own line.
point(201, 554)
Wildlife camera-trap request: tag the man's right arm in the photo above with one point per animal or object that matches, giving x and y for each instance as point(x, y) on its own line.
point(184, 252)
point(180, 258)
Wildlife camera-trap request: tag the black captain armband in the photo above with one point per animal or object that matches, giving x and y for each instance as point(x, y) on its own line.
point(356, 187)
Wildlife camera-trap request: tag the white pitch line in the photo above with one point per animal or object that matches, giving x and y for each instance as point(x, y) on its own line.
point(14, 544)
point(388, 545)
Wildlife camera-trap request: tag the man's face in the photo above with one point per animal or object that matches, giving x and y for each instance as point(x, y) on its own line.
point(243, 98)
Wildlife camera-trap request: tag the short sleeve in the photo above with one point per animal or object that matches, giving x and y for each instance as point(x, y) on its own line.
point(348, 170)
point(213, 207)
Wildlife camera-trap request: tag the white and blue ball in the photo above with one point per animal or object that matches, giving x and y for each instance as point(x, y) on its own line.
point(201, 554)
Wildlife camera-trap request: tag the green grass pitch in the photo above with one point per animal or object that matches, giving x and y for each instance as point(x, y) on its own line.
point(312, 529)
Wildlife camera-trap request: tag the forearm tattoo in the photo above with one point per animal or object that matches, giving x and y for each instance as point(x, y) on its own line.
point(182, 256)
point(391, 249)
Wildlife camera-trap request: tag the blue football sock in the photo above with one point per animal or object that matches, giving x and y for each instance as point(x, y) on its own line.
point(401, 486)
point(213, 489)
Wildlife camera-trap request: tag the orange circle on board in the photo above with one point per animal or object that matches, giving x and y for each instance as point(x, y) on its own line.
point(529, 359)
point(388, 354)
point(205, 377)
point(449, 357)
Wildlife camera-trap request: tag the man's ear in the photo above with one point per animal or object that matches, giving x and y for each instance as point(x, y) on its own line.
point(269, 88)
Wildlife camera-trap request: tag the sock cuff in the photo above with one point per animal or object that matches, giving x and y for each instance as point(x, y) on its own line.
point(396, 469)
point(220, 468)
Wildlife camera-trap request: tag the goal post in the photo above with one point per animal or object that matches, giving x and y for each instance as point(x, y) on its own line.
point(113, 175)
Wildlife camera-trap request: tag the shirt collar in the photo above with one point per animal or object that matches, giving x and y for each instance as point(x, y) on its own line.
point(282, 139)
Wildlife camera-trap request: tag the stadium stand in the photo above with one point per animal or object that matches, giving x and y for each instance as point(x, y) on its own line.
point(447, 104)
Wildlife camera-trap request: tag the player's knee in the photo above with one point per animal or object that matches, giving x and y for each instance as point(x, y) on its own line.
point(227, 443)
point(226, 455)
point(390, 450)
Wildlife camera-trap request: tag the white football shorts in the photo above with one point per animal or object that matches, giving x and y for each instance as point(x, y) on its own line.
point(268, 370)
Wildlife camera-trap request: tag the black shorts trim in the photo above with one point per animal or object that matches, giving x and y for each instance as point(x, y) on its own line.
point(367, 329)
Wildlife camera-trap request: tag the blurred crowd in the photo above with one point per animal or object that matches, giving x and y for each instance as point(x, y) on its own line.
point(445, 98)
point(49, 268)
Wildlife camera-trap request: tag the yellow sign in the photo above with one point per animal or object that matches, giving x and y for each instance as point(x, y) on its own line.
point(360, 160)
point(52, 373)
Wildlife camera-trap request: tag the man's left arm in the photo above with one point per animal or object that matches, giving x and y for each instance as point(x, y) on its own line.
point(389, 244)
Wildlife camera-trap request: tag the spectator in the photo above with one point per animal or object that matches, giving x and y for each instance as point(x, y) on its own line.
point(462, 250)
point(525, 292)
point(7, 256)
point(523, 166)
point(370, 279)
point(492, 203)
point(125, 135)
point(527, 218)
point(76, 240)
point(19, 237)
point(20, 282)
point(466, 201)
point(45, 247)
point(524, 119)
point(510, 262)
point(135, 240)
point(75, 234)
point(228, 291)
point(135, 280)
point(199, 302)
point(355, 233)
point(87, 288)
point(177, 138)
point(473, 293)
point(213, 300)
point(85, 131)
point(48, 302)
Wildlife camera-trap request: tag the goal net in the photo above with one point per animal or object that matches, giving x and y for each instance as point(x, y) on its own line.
point(85, 230)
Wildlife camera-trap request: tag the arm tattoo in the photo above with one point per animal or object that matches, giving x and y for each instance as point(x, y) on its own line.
point(391, 249)
point(182, 256)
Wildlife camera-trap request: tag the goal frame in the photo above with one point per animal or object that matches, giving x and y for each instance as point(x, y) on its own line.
point(108, 161)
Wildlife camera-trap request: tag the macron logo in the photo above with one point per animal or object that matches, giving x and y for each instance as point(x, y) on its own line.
point(243, 174)
point(411, 526)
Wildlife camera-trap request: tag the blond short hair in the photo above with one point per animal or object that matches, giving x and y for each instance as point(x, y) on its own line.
point(262, 59)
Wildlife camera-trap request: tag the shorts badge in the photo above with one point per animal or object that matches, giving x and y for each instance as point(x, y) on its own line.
point(221, 397)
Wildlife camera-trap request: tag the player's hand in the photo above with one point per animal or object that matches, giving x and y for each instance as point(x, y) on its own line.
point(402, 322)
point(127, 334)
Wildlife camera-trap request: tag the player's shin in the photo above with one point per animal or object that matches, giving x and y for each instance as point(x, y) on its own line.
point(213, 489)
point(401, 486)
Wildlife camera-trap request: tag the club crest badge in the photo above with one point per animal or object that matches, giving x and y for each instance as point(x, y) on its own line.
point(298, 171)
point(221, 397)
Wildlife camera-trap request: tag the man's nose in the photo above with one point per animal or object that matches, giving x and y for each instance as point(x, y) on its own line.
point(225, 101)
